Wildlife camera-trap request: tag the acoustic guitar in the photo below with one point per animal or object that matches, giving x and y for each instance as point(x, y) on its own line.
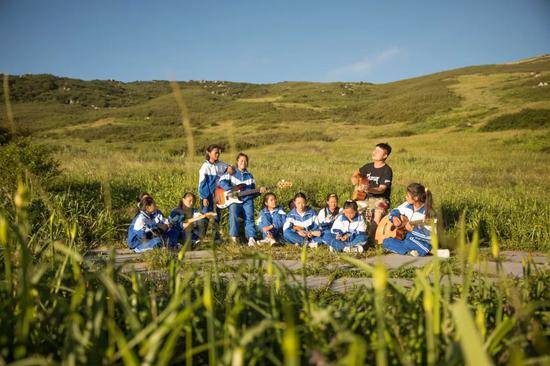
point(357, 194)
point(386, 229)
point(224, 198)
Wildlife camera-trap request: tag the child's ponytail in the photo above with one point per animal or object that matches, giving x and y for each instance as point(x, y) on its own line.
point(428, 204)
point(424, 195)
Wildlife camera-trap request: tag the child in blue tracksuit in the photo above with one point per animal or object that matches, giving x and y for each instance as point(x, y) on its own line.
point(209, 174)
point(301, 224)
point(418, 206)
point(149, 228)
point(327, 215)
point(348, 231)
point(271, 220)
point(181, 231)
point(243, 178)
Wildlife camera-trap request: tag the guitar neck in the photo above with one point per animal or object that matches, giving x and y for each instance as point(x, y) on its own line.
point(253, 191)
point(419, 222)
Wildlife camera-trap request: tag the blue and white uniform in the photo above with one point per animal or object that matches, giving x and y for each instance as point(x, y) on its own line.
point(209, 176)
point(141, 235)
point(325, 219)
point(245, 209)
point(355, 230)
point(277, 218)
point(418, 239)
point(307, 220)
point(177, 232)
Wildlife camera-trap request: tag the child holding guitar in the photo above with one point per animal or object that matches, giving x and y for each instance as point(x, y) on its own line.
point(301, 224)
point(244, 179)
point(184, 221)
point(209, 174)
point(412, 216)
point(373, 186)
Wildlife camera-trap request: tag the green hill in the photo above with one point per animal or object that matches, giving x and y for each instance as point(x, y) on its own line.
point(477, 136)
point(145, 111)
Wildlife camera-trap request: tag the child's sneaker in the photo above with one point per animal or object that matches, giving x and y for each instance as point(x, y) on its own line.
point(234, 240)
point(251, 242)
point(354, 249)
point(312, 244)
point(413, 253)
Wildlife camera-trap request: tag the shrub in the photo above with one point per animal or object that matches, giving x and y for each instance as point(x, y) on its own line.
point(531, 119)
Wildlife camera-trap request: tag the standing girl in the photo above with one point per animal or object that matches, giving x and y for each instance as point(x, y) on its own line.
point(209, 174)
point(241, 177)
point(418, 206)
point(301, 224)
point(348, 231)
point(271, 221)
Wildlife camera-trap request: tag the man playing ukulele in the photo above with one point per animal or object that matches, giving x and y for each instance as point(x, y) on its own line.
point(373, 186)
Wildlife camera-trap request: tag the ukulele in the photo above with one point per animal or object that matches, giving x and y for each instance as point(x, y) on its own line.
point(224, 198)
point(386, 229)
point(176, 219)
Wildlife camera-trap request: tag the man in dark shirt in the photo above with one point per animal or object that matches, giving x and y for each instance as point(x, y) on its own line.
point(378, 189)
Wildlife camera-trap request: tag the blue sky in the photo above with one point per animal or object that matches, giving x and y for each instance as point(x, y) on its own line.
point(266, 41)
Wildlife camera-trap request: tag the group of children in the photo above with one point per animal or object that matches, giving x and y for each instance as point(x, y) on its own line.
point(341, 229)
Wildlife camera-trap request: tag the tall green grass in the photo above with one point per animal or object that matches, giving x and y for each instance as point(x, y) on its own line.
point(54, 308)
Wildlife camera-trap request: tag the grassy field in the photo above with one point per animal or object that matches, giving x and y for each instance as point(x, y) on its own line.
point(478, 137)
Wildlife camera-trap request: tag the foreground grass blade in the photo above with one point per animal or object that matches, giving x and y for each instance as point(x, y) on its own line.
point(470, 339)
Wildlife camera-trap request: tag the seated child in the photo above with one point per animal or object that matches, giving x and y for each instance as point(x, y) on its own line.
point(271, 220)
point(348, 231)
point(149, 229)
point(300, 226)
point(327, 215)
point(182, 231)
point(418, 206)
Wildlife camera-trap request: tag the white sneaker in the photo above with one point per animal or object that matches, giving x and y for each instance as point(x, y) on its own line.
point(251, 242)
point(312, 245)
point(234, 240)
point(413, 253)
point(272, 241)
point(354, 249)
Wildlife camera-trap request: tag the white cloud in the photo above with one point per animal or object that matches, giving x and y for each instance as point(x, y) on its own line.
point(363, 67)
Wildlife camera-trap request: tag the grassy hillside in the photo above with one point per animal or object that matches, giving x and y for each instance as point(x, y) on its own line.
point(477, 136)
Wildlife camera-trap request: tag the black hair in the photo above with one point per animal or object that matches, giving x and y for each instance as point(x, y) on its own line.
point(385, 146)
point(210, 148)
point(332, 214)
point(141, 196)
point(351, 204)
point(299, 195)
point(266, 196)
point(242, 154)
point(185, 195)
point(420, 192)
point(146, 201)
point(291, 205)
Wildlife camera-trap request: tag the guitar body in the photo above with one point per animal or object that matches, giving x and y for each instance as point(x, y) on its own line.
point(386, 229)
point(224, 198)
point(358, 195)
